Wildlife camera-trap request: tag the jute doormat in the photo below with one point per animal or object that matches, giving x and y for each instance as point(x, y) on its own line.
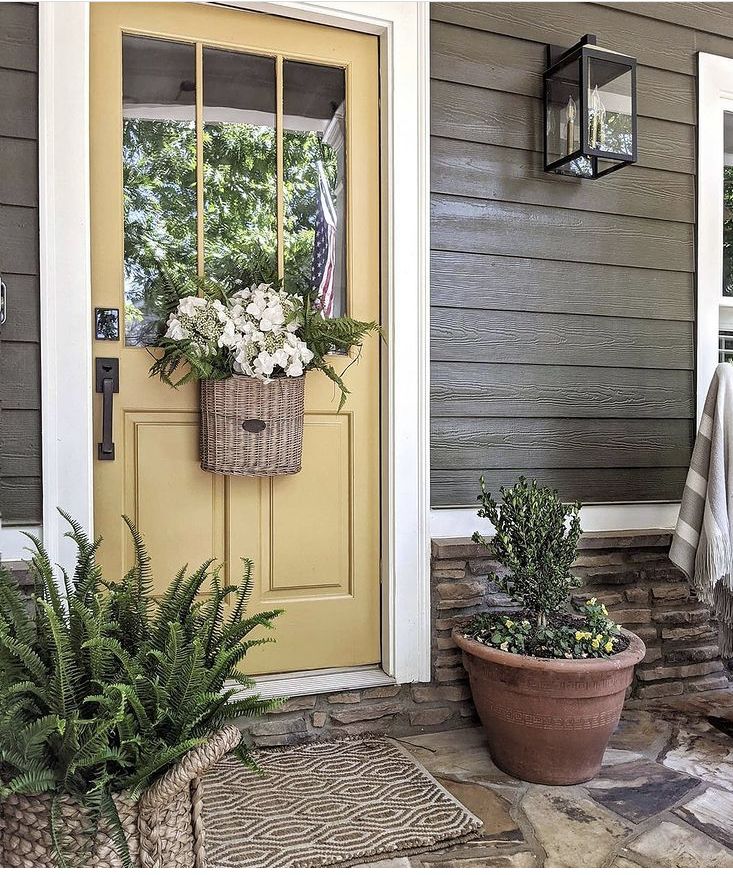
point(337, 803)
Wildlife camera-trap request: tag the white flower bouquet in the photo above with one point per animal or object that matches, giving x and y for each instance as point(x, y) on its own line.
point(260, 331)
point(251, 347)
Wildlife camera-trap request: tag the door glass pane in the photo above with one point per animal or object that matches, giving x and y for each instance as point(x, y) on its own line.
point(159, 176)
point(314, 147)
point(240, 165)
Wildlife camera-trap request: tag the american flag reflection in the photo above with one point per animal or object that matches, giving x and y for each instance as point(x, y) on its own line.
point(324, 249)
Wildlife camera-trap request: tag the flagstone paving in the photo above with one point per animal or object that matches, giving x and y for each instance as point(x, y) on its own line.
point(664, 797)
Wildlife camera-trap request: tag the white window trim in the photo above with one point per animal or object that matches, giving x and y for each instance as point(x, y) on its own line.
point(462, 522)
point(14, 544)
point(715, 97)
point(68, 440)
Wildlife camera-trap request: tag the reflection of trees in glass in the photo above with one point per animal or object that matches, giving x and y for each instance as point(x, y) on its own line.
point(159, 179)
point(727, 231)
point(616, 136)
point(240, 197)
point(239, 213)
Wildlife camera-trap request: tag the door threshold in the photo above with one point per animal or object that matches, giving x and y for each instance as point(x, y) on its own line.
point(322, 680)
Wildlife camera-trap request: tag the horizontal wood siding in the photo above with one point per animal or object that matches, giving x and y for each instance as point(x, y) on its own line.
point(595, 485)
point(528, 390)
point(21, 496)
point(562, 319)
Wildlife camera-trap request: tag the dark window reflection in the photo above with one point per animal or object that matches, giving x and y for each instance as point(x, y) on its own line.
point(159, 165)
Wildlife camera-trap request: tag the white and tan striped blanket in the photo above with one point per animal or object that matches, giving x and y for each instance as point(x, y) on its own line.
point(702, 543)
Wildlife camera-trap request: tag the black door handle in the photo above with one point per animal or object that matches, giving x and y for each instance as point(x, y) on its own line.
point(107, 382)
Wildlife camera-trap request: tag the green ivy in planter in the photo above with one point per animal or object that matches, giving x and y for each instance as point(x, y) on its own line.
point(593, 634)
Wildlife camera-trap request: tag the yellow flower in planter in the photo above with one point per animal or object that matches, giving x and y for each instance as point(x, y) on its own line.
point(608, 646)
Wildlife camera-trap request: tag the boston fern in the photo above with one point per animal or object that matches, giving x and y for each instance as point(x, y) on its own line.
point(103, 687)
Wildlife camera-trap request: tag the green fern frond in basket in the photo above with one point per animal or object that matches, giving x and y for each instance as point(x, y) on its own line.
point(103, 688)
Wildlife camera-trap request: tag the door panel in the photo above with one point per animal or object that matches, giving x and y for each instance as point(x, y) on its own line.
point(191, 80)
point(320, 552)
point(159, 447)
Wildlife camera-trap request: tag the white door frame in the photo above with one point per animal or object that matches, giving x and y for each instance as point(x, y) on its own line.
point(68, 440)
point(715, 98)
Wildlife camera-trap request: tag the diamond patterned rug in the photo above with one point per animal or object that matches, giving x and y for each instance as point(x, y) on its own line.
point(341, 803)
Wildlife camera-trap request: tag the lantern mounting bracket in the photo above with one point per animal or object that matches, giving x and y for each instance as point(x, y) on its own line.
point(555, 54)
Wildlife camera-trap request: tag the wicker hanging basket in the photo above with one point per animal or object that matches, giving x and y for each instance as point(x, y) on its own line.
point(164, 828)
point(250, 428)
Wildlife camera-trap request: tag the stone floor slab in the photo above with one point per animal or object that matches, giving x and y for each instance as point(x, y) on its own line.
point(488, 806)
point(640, 789)
point(613, 757)
point(711, 812)
point(704, 757)
point(469, 763)
point(642, 733)
point(678, 846)
point(442, 742)
point(572, 828)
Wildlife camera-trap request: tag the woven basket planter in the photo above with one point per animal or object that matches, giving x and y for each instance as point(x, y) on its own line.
point(163, 828)
point(250, 428)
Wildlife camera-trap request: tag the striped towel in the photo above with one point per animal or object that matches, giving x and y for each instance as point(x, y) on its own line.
point(702, 542)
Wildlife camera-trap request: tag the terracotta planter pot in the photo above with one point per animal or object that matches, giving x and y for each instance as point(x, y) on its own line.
point(548, 721)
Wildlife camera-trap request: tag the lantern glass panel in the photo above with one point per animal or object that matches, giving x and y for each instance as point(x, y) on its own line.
point(609, 105)
point(562, 100)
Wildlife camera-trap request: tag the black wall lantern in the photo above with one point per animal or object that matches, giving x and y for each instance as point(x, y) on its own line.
point(590, 110)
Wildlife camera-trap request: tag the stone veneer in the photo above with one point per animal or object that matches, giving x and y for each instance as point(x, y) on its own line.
point(629, 571)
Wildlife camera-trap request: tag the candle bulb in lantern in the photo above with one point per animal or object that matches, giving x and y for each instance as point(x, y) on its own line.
point(570, 138)
point(598, 124)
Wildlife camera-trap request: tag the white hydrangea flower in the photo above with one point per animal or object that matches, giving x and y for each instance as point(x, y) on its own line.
point(175, 330)
point(258, 325)
point(188, 306)
point(229, 336)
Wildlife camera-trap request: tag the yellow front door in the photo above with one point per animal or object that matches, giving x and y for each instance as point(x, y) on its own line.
point(221, 139)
